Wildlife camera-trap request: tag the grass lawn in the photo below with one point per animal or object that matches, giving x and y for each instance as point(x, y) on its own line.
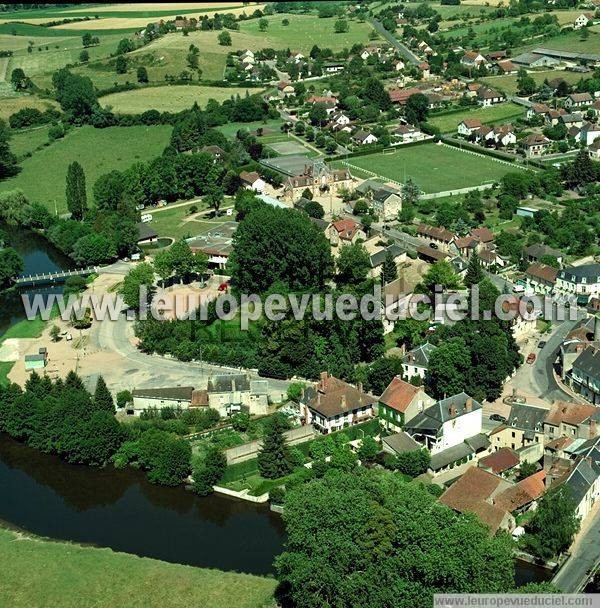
point(501, 112)
point(508, 82)
point(24, 142)
point(569, 41)
point(230, 129)
point(71, 576)
point(176, 222)
point(433, 168)
point(304, 31)
point(168, 98)
point(98, 150)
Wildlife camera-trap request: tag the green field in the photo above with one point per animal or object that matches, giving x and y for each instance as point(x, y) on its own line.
point(304, 31)
point(98, 150)
point(14, 103)
point(231, 128)
point(569, 41)
point(434, 168)
point(501, 112)
point(169, 98)
point(37, 573)
point(508, 82)
point(24, 142)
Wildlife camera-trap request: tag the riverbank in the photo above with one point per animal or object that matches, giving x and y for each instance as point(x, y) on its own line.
point(53, 573)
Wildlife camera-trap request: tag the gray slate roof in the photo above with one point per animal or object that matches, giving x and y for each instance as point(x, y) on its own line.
point(576, 274)
point(377, 258)
point(175, 393)
point(401, 442)
point(419, 356)
point(527, 417)
point(228, 383)
point(434, 416)
point(588, 362)
point(586, 470)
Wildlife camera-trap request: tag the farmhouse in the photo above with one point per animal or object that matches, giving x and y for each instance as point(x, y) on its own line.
point(148, 398)
point(406, 134)
point(535, 144)
point(583, 20)
point(285, 89)
point(507, 67)
point(594, 150)
point(345, 232)
point(541, 277)
point(578, 100)
point(332, 404)
point(534, 60)
point(363, 138)
point(230, 393)
point(376, 259)
point(468, 126)
point(537, 251)
point(488, 97)
point(472, 59)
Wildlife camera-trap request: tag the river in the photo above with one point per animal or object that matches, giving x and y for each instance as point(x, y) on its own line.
point(120, 509)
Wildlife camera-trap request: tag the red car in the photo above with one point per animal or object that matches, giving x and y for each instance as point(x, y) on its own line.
point(530, 358)
point(223, 286)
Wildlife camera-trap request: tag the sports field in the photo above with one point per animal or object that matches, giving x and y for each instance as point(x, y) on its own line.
point(433, 167)
point(99, 151)
point(501, 112)
point(168, 99)
point(37, 573)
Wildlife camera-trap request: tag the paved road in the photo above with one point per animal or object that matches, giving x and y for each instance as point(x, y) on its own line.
point(404, 50)
point(585, 556)
point(154, 370)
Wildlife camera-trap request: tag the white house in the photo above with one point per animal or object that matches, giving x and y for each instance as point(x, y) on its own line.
point(230, 393)
point(578, 100)
point(387, 204)
point(468, 126)
point(589, 133)
point(579, 280)
point(399, 65)
point(363, 138)
point(584, 480)
point(447, 423)
point(416, 361)
point(253, 181)
point(472, 59)
point(487, 97)
point(179, 397)
point(583, 20)
point(406, 134)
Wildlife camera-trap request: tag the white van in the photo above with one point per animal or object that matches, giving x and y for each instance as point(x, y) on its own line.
point(146, 217)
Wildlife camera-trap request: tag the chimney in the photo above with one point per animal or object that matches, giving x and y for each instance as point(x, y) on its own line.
point(469, 404)
point(452, 410)
point(343, 401)
point(593, 429)
point(359, 386)
point(322, 382)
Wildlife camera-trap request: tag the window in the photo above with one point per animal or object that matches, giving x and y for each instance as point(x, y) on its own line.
point(513, 435)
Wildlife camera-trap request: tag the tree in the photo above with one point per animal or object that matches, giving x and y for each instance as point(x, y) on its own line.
point(273, 457)
point(123, 398)
point(102, 398)
point(389, 270)
point(375, 93)
point(86, 39)
point(263, 24)
point(318, 115)
point(474, 272)
point(285, 22)
point(75, 191)
point(209, 472)
point(224, 38)
point(55, 333)
point(554, 524)
point(368, 450)
point(314, 209)
point(8, 161)
point(381, 372)
point(140, 276)
point(441, 273)
point(348, 532)
point(525, 84)
point(94, 249)
point(526, 469)
point(11, 264)
point(121, 64)
point(273, 245)
point(410, 193)
point(448, 367)
point(142, 74)
point(84, 56)
point(416, 108)
point(18, 79)
point(353, 264)
point(341, 26)
point(413, 463)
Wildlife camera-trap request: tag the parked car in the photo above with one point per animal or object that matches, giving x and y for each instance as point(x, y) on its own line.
point(531, 358)
point(541, 343)
point(497, 418)
point(223, 286)
point(433, 245)
point(146, 217)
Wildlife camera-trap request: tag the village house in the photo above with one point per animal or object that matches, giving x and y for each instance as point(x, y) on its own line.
point(500, 462)
point(425, 69)
point(504, 135)
point(583, 20)
point(523, 428)
point(552, 117)
point(401, 96)
point(594, 150)
point(524, 317)
point(447, 423)
point(584, 376)
point(538, 251)
point(569, 424)
point(487, 97)
point(178, 397)
point(588, 134)
point(285, 89)
point(345, 232)
point(333, 67)
point(363, 138)
point(386, 204)
point(571, 120)
point(541, 278)
point(584, 480)
point(535, 144)
point(332, 404)
point(581, 280)
point(376, 259)
point(416, 361)
point(468, 126)
point(317, 177)
point(438, 236)
point(253, 181)
point(406, 134)
point(472, 59)
point(506, 67)
point(231, 393)
point(537, 109)
point(400, 403)
point(578, 100)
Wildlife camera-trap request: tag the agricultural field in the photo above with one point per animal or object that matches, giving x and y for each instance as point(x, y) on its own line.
point(569, 41)
point(508, 82)
point(304, 31)
point(434, 168)
point(168, 99)
point(502, 112)
point(71, 576)
point(26, 142)
point(12, 104)
point(99, 151)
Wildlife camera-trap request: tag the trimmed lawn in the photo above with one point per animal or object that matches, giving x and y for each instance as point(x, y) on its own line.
point(304, 31)
point(272, 124)
point(176, 222)
point(508, 82)
point(501, 112)
point(99, 151)
point(434, 168)
point(168, 98)
point(72, 576)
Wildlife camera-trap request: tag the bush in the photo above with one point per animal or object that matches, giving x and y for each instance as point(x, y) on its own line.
point(277, 495)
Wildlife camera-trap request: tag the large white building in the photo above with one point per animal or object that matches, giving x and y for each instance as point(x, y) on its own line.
point(579, 280)
point(447, 423)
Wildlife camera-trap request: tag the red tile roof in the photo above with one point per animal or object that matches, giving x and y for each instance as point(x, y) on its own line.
point(570, 413)
point(542, 271)
point(399, 394)
point(485, 235)
point(436, 233)
point(501, 460)
point(521, 494)
point(347, 228)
